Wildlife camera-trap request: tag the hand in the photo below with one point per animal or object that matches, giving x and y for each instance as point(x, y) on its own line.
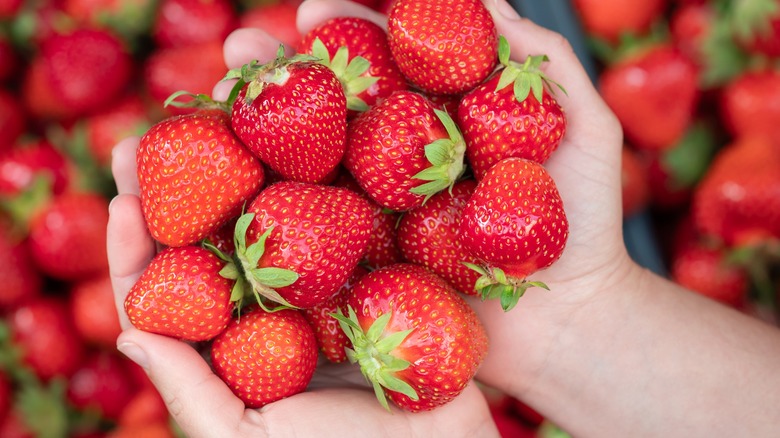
point(198, 400)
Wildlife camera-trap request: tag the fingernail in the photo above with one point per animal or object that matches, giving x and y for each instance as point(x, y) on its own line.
point(506, 10)
point(134, 353)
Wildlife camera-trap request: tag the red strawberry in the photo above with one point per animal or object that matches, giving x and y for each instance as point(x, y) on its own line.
point(653, 93)
point(68, 236)
point(145, 407)
point(635, 192)
point(195, 68)
point(756, 25)
point(609, 19)
point(439, 54)
point(129, 18)
point(318, 232)
point(689, 25)
point(403, 150)
point(292, 114)
point(428, 236)
point(750, 103)
point(13, 121)
point(43, 331)
point(21, 281)
point(517, 104)
point(94, 311)
point(264, 357)
point(414, 337)
point(706, 270)
point(29, 160)
point(515, 224)
point(275, 18)
point(738, 199)
point(87, 69)
point(157, 429)
point(360, 38)
point(190, 22)
point(331, 340)
point(194, 175)
point(128, 117)
point(102, 384)
point(182, 294)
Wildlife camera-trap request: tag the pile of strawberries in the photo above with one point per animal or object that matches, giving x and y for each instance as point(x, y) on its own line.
point(695, 85)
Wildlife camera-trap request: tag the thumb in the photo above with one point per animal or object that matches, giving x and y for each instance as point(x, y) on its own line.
point(200, 403)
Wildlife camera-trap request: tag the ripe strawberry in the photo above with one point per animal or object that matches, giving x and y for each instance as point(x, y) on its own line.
point(440, 55)
point(102, 131)
point(68, 236)
point(30, 160)
point(181, 294)
point(195, 68)
point(738, 199)
point(318, 232)
point(428, 236)
point(194, 176)
point(275, 18)
point(690, 25)
point(264, 357)
point(530, 121)
point(21, 281)
point(87, 69)
point(750, 103)
point(94, 312)
point(157, 429)
point(653, 93)
point(13, 121)
point(515, 224)
point(415, 339)
point(635, 192)
point(48, 342)
point(610, 19)
point(101, 384)
point(145, 407)
point(291, 113)
point(190, 22)
point(403, 150)
point(706, 270)
point(362, 40)
point(129, 18)
point(331, 340)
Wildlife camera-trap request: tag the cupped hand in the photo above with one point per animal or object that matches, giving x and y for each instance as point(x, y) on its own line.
point(338, 402)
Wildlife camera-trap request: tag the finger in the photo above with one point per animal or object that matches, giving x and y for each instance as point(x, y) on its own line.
point(123, 165)
point(129, 247)
point(200, 403)
point(247, 44)
point(312, 13)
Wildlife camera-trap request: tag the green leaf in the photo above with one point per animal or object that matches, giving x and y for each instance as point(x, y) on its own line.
point(339, 62)
point(508, 76)
point(503, 50)
point(256, 250)
point(274, 277)
point(522, 87)
point(356, 67)
point(509, 298)
point(475, 267)
point(438, 151)
point(239, 235)
point(500, 276)
point(397, 385)
point(230, 271)
point(392, 341)
point(318, 50)
point(380, 394)
point(378, 327)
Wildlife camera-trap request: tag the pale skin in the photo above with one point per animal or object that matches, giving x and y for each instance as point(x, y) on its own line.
point(611, 350)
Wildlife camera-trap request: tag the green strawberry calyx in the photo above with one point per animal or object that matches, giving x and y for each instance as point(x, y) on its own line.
point(527, 78)
point(494, 283)
point(446, 156)
point(196, 100)
point(256, 76)
point(372, 349)
point(250, 280)
point(352, 73)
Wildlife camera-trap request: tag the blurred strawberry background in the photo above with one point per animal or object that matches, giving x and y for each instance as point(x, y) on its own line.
point(695, 84)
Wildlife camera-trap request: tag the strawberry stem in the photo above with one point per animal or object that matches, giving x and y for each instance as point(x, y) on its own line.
point(493, 283)
point(446, 156)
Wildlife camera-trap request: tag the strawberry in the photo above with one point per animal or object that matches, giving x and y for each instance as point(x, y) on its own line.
point(31, 160)
point(87, 69)
point(102, 131)
point(101, 384)
point(146, 406)
point(403, 150)
point(514, 191)
point(194, 175)
point(428, 236)
point(738, 199)
point(530, 121)
point(10, 59)
point(43, 332)
point(94, 312)
point(749, 103)
point(21, 281)
point(195, 68)
point(635, 193)
point(318, 232)
point(756, 25)
point(181, 294)
point(707, 271)
point(181, 23)
point(68, 236)
point(13, 121)
point(129, 18)
point(610, 19)
point(654, 93)
point(361, 39)
point(416, 340)
point(291, 113)
point(275, 18)
point(331, 340)
point(264, 357)
point(689, 26)
point(440, 55)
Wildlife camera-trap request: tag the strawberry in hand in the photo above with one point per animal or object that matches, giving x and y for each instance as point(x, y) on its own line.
point(515, 224)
